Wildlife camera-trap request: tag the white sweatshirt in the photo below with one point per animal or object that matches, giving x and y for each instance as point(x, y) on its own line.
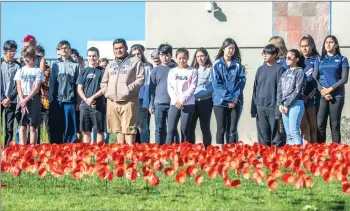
point(182, 83)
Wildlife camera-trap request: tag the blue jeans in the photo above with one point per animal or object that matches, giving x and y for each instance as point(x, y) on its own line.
point(160, 118)
point(70, 131)
point(292, 122)
point(143, 124)
point(105, 134)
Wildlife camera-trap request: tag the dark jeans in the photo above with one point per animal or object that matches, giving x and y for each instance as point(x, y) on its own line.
point(202, 111)
point(63, 121)
point(45, 118)
point(268, 129)
point(160, 118)
point(174, 117)
point(333, 109)
point(9, 121)
point(227, 122)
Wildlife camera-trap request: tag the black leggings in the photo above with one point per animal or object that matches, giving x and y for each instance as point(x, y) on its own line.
point(227, 122)
point(202, 111)
point(332, 109)
point(173, 120)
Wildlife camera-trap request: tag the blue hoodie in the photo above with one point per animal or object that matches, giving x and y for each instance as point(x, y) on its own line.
point(228, 82)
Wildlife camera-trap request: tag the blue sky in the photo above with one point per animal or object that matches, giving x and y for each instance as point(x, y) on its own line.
point(77, 22)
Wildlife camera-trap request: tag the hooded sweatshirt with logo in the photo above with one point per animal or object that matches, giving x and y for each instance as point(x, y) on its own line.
point(122, 80)
point(182, 83)
point(63, 80)
point(291, 87)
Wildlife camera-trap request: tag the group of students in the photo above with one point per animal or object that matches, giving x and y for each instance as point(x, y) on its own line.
point(304, 88)
point(295, 91)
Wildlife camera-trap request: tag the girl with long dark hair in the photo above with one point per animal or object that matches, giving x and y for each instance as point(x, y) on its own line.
point(228, 79)
point(331, 73)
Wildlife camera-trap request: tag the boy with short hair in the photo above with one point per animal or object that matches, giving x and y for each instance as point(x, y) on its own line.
point(92, 106)
point(9, 67)
point(63, 96)
point(40, 61)
point(264, 100)
point(28, 80)
point(159, 97)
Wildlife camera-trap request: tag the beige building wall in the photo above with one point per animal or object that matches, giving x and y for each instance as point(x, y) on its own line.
point(188, 24)
point(340, 28)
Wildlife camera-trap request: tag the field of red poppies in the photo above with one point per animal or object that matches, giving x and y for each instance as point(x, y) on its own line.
point(159, 171)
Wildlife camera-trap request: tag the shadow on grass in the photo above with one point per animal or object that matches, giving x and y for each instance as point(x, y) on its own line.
point(337, 205)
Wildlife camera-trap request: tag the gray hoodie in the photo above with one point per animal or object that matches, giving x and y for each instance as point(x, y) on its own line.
point(291, 87)
point(8, 85)
point(63, 80)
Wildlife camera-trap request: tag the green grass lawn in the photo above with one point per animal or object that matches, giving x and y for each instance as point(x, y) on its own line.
point(29, 192)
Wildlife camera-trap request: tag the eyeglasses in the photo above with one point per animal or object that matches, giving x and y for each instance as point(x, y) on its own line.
point(11, 51)
point(289, 58)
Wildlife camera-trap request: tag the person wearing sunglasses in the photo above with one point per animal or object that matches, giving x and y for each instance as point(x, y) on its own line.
point(331, 73)
point(264, 103)
point(290, 96)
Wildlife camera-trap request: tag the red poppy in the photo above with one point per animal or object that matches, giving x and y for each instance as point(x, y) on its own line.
point(344, 180)
point(327, 176)
point(212, 173)
point(153, 180)
point(76, 173)
point(277, 173)
point(131, 174)
point(309, 183)
point(205, 167)
point(227, 181)
point(169, 172)
point(157, 165)
point(42, 172)
point(110, 176)
point(223, 170)
point(346, 188)
point(181, 177)
point(199, 179)
point(268, 178)
point(288, 178)
point(191, 170)
point(235, 183)
point(272, 184)
point(299, 183)
point(246, 172)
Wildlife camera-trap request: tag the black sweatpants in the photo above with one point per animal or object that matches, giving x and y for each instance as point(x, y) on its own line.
point(268, 128)
point(333, 109)
point(56, 123)
point(227, 122)
point(9, 121)
point(173, 119)
point(202, 111)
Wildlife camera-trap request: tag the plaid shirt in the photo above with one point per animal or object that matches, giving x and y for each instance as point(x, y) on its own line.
point(45, 89)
